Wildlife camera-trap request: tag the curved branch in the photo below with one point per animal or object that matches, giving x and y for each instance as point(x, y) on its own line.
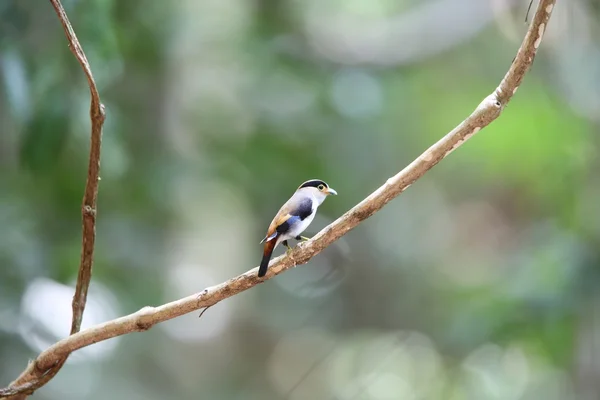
point(487, 111)
point(88, 209)
point(24, 384)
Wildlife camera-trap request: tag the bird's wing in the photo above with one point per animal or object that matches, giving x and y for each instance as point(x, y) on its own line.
point(279, 225)
point(294, 210)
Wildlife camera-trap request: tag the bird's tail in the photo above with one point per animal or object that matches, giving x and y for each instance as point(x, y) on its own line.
point(267, 252)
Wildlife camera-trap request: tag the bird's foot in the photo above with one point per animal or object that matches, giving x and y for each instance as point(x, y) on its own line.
point(302, 238)
point(286, 244)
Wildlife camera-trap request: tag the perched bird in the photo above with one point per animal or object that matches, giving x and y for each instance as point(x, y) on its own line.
point(293, 218)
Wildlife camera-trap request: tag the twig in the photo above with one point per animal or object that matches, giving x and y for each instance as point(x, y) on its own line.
point(528, 9)
point(24, 384)
point(487, 111)
point(203, 311)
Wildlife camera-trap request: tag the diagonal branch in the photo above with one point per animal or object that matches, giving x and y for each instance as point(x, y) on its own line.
point(487, 111)
point(24, 384)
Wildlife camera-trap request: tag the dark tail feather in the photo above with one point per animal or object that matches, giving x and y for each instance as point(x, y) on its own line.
point(264, 264)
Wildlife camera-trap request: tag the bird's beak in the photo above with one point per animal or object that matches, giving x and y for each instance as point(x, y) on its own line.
point(331, 191)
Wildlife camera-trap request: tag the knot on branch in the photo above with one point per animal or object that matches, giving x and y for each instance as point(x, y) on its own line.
point(42, 370)
point(491, 107)
point(88, 210)
point(100, 113)
point(494, 100)
point(202, 294)
point(144, 320)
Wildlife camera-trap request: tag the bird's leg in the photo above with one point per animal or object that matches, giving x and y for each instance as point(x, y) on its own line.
point(302, 238)
point(286, 244)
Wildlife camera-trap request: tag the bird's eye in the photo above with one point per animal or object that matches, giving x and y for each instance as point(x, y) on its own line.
point(321, 187)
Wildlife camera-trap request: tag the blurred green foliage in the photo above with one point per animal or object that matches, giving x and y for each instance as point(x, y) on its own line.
point(477, 283)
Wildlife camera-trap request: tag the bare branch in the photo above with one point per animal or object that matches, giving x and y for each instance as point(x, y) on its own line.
point(25, 384)
point(487, 111)
point(97, 116)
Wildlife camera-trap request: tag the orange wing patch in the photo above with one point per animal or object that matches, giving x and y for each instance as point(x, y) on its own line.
point(279, 219)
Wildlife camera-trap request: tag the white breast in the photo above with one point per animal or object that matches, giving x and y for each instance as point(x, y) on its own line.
point(301, 226)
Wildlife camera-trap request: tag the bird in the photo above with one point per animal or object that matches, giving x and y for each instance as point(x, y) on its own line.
point(293, 218)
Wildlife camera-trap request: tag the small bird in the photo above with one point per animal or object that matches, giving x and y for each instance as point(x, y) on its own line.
point(294, 217)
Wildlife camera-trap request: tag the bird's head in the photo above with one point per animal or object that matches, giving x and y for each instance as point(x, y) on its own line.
point(317, 188)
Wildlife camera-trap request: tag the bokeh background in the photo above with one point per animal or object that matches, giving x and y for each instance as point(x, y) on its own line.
point(479, 282)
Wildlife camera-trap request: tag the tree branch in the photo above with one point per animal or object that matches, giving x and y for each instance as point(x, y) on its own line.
point(487, 111)
point(97, 117)
point(24, 384)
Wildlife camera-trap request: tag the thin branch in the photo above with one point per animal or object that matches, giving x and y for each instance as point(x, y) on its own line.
point(24, 384)
point(97, 116)
point(487, 111)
